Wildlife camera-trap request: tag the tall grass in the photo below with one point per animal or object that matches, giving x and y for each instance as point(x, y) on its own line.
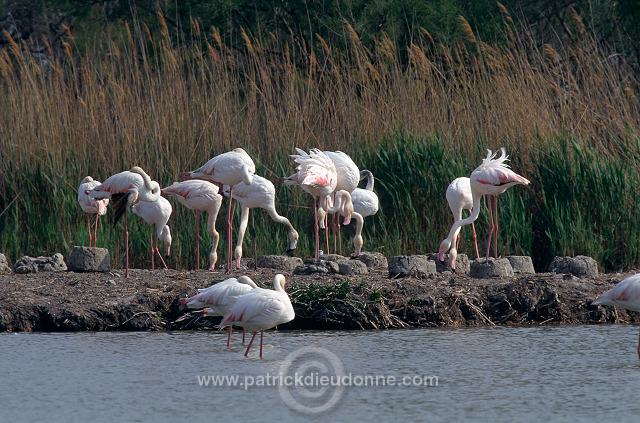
point(416, 115)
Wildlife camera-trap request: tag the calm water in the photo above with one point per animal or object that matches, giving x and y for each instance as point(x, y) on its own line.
point(584, 373)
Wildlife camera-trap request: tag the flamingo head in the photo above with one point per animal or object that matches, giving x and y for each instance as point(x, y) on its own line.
point(226, 190)
point(278, 282)
point(445, 245)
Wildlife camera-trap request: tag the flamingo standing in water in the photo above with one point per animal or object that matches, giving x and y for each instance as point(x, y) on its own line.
point(91, 206)
point(259, 194)
point(344, 208)
point(200, 196)
point(229, 168)
point(348, 177)
point(126, 189)
point(218, 299)
point(491, 178)
point(156, 213)
point(261, 309)
point(459, 198)
point(315, 174)
point(625, 294)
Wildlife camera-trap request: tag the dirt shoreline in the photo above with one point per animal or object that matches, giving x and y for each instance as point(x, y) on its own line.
point(69, 301)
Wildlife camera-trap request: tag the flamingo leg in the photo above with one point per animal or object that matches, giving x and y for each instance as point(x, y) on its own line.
point(326, 224)
point(229, 231)
point(160, 254)
point(490, 227)
point(229, 337)
point(126, 243)
point(95, 231)
point(246, 353)
point(261, 336)
point(335, 229)
point(315, 222)
point(475, 240)
point(89, 229)
point(197, 240)
point(244, 333)
point(339, 236)
point(153, 252)
point(495, 237)
point(638, 346)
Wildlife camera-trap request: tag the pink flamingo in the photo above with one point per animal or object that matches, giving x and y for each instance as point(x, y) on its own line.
point(344, 208)
point(126, 189)
point(491, 178)
point(261, 309)
point(259, 194)
point(459, 198)
point(91, 206)
point(200, 196)
point(348, 177)
point(315, 174)
point(625, 294)
point(218, 299)
point(229, 168)
point(156, 213)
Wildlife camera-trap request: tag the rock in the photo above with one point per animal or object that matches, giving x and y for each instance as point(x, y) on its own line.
point(28, 264)
point(352, 267)
point(333, 257)
point(89, 259)
point(310, 269)
point(332, 266)
point(521, 264)
point(4, 265)
point(463, 265)
point(580, 266)
point(284, 263)
point(373, 260)
point(491, 268)
point(418, 265)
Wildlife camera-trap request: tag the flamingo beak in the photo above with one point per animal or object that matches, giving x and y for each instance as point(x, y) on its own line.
point(441, 257)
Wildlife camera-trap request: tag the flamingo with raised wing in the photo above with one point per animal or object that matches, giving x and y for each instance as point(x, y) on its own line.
point(261, 309)
point(156, 213)
point(315, 174)
point(91, 206)
point(229, 168)
point(261, 193)
point(625, 294)
point(491, 178)
point(200, 196)
point(126, 189)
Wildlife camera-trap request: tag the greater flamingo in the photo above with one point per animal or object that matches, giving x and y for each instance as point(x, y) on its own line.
point(229, 168)
point(261, 193)
point(127, 188)
point(261, 309)
point(218, 299)
point(91, 206)
point(459, 198)
point(156, 213)
point(348, 176)
point(315, 174)
point(200, 196)
point(625, 294)
point(491, 178)
point(344, 208)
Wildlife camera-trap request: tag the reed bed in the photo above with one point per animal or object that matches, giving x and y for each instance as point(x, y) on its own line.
point(417, 116)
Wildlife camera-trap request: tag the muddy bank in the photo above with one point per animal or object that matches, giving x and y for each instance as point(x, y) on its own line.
point(69, 301)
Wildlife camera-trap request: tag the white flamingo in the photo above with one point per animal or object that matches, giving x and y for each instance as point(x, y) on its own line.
point(218, 299)
point(625, 294)
point(200, 196)
point(459, 198)
point(261, 193)
point(348, 176)
point(126, 189)
point(315, 174)
point(91, 206)
point(261, 309)
point(492, 178)
point(229, 168)
point(365, 200)
point(156, 213)
point(344, 208)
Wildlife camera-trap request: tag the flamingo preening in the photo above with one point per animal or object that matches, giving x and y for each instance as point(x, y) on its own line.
point(229, 168)
point(261, 309)
point(365, 200)
point(459, 198)
point(261, 193)
point(91, 206)
point(344, 208)
point(348, 177)
point(126, 189)
point(491, 178)
point(625, 294)
point(200, 196)
point(218, 299)
point(315, 174)
point(156, 213)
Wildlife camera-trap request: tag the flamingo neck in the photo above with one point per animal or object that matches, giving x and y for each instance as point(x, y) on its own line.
point(475, 212)
point(370, 181)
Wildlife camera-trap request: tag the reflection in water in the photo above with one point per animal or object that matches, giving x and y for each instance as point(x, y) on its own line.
point(500, 374)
